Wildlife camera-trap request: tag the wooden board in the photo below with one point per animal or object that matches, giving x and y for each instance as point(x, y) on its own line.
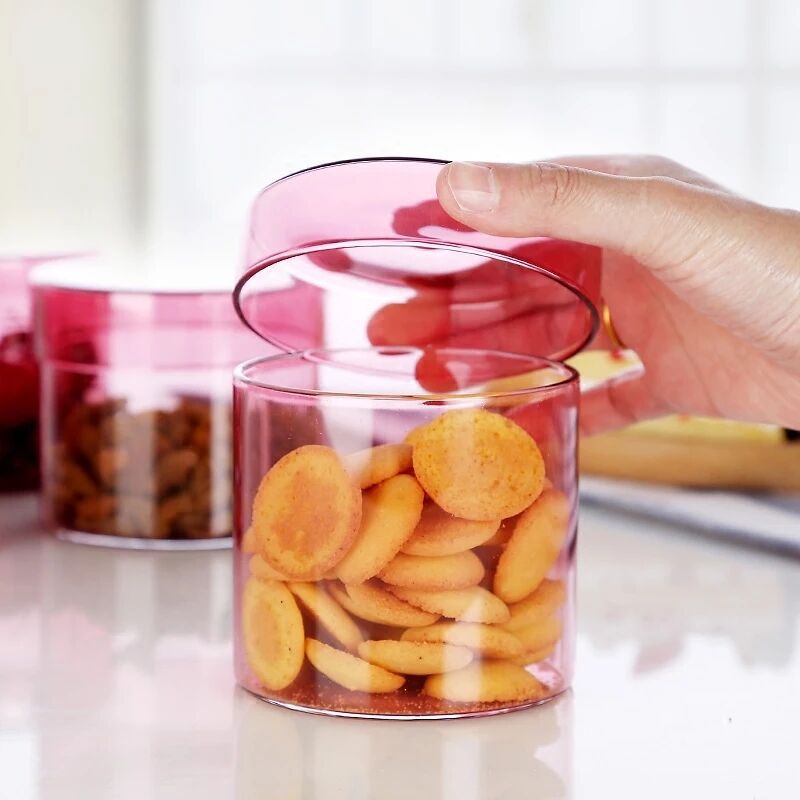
point(730, 464)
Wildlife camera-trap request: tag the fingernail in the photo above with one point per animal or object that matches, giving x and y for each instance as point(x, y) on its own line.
point(473, 186)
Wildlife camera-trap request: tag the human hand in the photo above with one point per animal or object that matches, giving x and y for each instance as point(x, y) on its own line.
point(704, 285)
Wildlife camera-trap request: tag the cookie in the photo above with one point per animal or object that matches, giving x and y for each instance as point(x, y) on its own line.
point(390, 513)
point(273, 633)
point(306, 512)
point(457, 571)
point(349, 671)
point(467, 605)
point(415, 658)
point(478, 465)
point(371, 602)
point(441, 534)
point(377, 464)
point(328, 613)
point(489, 641)
point(486, 682)
point(534, 547)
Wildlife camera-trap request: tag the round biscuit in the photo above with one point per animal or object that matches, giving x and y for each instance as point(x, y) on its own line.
point(457, 571)
point(390, 513)
point(306, 512)
point(534, 546)
point(350, 671)
point(478, 465)
point(415, 658)
point(272, 628)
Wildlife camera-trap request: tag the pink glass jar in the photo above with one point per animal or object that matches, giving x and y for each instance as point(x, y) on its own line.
point(405, 473)
point(136, 411)
point(19, 378)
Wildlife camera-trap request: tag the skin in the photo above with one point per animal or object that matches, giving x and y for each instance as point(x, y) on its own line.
point(703, 284)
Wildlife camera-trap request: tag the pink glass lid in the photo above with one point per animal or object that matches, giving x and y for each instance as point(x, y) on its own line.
point(368, 241)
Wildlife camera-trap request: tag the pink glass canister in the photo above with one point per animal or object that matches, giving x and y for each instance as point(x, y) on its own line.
point(136, 410)
point(19, 377)
point(405, 471)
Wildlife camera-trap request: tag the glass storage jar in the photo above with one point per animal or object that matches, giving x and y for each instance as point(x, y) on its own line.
point(19, 377)
point(136, 410)
point(405, 473)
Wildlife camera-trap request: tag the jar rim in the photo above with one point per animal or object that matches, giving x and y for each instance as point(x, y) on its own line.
point(567, 375)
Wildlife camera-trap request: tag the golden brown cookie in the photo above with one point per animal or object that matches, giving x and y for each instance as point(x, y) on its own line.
point(486, 682)
point(533, 548)
point(273, 633)
point(349, 671)
point(534, 656)
point(306, 512)
point(249, 542)
point(390, 513)
point(377, 464)
point(261, 569)
point(437, 572)
point(548, 597)
point(540, 635)
point(489, 641)
point(328, 613)
point(441, 534)
point(467, 605)
point(415, 658)
point(371, 602)
point(478, 465)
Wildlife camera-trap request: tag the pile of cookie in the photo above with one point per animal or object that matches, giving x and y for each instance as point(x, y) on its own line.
point(427, 558)
point(156, 474)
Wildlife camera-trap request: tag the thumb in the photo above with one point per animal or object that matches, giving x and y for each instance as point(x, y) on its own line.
point(652, 219)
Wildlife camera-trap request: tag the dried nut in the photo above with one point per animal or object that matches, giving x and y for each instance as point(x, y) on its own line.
point(467, 605)
point(415, 658)
point(442, 534)
point(377, 464)
point(306, 512)
point(169, 509)
point(486, 682)
point(533, 548)
point(76, 481)
point(328, 613)
point(109, 463)
point(174, 469)
point(353, 673)
point(478, 465)
point(372, 603)
point(273, 633)
point(390, 512)
point(540, 604)
point(489, 641)
point(458, 571)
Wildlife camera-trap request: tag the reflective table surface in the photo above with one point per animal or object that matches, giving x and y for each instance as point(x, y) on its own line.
point(116, 684)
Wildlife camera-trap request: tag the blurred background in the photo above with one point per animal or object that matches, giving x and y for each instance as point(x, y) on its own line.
point(149, 125)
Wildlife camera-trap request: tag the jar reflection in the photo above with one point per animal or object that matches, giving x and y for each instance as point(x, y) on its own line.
point(283, 755)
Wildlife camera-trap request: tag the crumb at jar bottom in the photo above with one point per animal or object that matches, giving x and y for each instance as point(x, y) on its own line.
point(154, 477)
point(425, 578)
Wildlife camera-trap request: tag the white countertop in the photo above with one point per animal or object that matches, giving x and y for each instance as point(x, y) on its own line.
point(116, 684)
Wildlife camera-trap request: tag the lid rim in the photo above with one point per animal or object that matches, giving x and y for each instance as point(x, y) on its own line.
point(433, 244)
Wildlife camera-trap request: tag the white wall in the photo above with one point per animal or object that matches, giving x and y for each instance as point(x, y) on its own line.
point(70, 155)
point(248, 91)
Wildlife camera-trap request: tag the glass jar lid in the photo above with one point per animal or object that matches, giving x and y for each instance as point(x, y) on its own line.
point(360, 254)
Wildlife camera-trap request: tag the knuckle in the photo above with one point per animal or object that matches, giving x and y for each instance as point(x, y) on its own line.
point(551, 184)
